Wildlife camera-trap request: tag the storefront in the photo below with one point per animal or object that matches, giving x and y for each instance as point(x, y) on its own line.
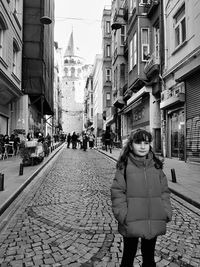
point(143, 112)
point(3, 125)
point(176, 129)
point(193, 117)
point(173, 121)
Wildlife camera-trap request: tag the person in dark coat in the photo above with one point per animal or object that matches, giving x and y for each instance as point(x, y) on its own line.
point(68, 140)
point(140, 198)
point(85, 141)
point(74, 140)
point(107, 138)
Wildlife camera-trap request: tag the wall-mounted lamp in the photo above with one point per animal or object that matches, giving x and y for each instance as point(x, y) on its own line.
point(116, 26)
point(46, 20)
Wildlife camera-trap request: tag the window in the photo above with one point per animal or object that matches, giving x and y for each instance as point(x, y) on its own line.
point(3, 28)
point(123, 35)
point(115, 78)
point(91, 99)
point(180, 26)
point(16, 6)
point(145, 43)
point(144, 2)
point(15, 57)
point(122, 70)
point(131, 55)
point(91, 112)
point(108, 51)
point(157, 41)
point(107, 26)
point(134, 49)
point(108, 75)
point(133, 52)
point(108, 100)
point(132, 5)
point(1, 40)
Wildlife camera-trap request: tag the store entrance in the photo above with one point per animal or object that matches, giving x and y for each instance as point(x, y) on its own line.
point(177, 128)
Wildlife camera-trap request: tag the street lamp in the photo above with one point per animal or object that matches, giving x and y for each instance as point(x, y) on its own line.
point(46, 20)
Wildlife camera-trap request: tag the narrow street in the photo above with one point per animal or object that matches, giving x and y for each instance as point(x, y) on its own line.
point(64, 218)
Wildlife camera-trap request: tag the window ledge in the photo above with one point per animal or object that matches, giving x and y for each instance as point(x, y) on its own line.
point(2, 61)
point(179, 47)
point(15, 77)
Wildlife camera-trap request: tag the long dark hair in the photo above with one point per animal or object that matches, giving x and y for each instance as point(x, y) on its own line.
point(137, 136)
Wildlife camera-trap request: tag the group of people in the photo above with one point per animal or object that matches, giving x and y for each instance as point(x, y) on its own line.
point(81, 140)
point(13, 140)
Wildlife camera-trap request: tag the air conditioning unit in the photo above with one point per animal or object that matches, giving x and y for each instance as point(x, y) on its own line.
point(179, 88)
point(165, 95)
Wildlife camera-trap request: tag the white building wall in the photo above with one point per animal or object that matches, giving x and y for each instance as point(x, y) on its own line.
point(97, 88)
point(175, 56)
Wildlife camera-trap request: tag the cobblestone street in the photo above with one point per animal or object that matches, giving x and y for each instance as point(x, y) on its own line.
point(64, 218)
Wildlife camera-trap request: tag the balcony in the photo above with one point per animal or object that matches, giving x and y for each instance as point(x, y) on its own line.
point(152, 66)
point(118, 101)
point(173, 96)
point(151, 6)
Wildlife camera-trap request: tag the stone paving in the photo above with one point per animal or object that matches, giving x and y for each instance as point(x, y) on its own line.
point(64, 218)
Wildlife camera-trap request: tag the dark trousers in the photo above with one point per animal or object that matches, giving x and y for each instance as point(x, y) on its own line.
point(130, 249)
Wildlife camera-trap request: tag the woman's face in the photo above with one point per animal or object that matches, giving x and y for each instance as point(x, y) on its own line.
point(141, 149)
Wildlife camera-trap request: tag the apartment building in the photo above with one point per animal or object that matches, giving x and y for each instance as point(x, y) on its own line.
point(180, 99)
point(97, 75)
point(138, 67)
point(37, 64)
point(107, 69)
point(11, 115)
point(88, 103)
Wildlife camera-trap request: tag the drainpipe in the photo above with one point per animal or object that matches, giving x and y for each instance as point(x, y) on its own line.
point(162, 67)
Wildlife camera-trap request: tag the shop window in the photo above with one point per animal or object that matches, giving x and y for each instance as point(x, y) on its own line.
point(180, 26)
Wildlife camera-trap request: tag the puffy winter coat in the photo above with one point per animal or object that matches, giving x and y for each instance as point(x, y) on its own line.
point(141, 204)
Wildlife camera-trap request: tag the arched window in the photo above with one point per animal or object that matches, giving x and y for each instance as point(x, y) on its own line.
point(72, 71)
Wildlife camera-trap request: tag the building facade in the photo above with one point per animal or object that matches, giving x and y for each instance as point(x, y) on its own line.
point(180, 100)
point(37, 64)
point(97, 74)
point(11, 115)
point(108, 116)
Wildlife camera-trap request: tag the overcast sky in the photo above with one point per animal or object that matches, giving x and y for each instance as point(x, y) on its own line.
point(84, 17)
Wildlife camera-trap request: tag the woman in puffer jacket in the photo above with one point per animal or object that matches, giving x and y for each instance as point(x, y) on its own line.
point(140, 198)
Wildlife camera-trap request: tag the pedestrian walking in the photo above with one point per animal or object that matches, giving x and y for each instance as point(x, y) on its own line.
point(74, 140)
point(85, 141)
point(91, 140)
point(140, 198)
point(68, 140)
point(107, 138)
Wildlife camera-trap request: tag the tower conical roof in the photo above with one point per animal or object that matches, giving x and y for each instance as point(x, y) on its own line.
point(70, 47)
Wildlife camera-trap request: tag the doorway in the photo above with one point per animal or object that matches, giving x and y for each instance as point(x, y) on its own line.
point(177, 134)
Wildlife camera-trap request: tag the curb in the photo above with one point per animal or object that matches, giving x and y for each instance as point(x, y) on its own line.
point(8, 202)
